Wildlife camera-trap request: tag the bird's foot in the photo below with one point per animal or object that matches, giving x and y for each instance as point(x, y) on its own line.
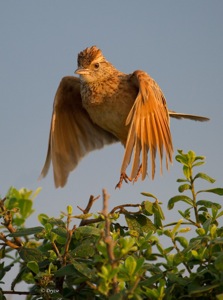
point(124, 177)
point(138, 174)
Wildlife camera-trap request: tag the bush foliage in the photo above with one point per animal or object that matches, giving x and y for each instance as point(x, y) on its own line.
point(103, 259)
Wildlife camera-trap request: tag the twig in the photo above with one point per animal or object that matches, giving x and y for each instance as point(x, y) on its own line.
point(108, 239)
point(8, 224)
point(134, 286)
point(175, 223)
point(17, 293)
point(56, 250)
point(179, 252)
point(91, 201)
point(8, 242)
point(67, 245)
point(90, 221)
point(122, 210)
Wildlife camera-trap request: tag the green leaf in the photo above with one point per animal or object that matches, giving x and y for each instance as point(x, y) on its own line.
point(198, 164)
point(219, 215)
point(182, 240)
point(191, 156)
point(67, 270)
point(139, 264)
point(178, 198)
point(192, 245)
point(130, 265)
point(55, 222)
point(186, 213)
point(160, 248)
point(177, 258)
point(11, 202)
point(84, 249)
point(149, 195)
point(25, 207)
point(4, 270)
point(207, 225)
point(2, 253)
point(36, 193)
point(214, 211)
point(84, 270)
point(181, 180)
point(43, 218)
point(175, 278)
point(176, 227)
point(27, 231)
point(208, 204)
point(69, 209)
point(107, 272)
point(205, 177)
point(31, 254)
point(151, 280)
point(201, 289)
point(76, 266)
point(183, 159)
point(199, 158)
point(184, 187)
point(21, 199)
point(187, 172)
point(218, 191)
point(33, 266)
point(202, 208)
point(85, 231)
point(139, 223)
point(60, 231)
point(18, 277)
point(148, 206)
point(157, 220)
point(200, 231)
point(157, 209)
point(168, 233)
point(218, 241)
point(83, 216)
point(168, 250)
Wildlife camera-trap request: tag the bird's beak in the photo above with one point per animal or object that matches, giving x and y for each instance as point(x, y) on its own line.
point(82, 71)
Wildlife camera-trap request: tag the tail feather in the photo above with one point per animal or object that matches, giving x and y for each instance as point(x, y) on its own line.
point(176, 115)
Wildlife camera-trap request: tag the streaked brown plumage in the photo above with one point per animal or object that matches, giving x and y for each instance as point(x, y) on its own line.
point(106, 106)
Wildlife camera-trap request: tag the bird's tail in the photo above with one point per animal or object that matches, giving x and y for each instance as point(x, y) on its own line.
point(176, 115)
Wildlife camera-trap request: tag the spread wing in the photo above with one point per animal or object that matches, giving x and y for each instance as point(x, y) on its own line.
point(149, 129)
point(72, 132)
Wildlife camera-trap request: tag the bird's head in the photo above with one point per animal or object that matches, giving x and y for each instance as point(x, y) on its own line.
point(92, 65)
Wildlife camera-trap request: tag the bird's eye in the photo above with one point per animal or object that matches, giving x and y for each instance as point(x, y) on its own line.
point(96, 65)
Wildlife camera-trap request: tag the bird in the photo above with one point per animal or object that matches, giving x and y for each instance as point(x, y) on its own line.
point(103, 105)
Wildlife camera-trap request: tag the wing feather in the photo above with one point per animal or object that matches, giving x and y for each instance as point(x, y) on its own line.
point(72, 133)
point(149, 129)
point(137, 149)
point(176, 115)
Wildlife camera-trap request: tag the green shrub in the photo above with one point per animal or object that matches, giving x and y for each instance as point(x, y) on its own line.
point(103, 259)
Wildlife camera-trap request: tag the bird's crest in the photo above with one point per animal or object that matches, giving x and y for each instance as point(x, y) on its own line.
point(88, 55)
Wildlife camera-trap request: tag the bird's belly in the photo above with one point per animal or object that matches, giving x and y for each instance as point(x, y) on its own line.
point(111, 115)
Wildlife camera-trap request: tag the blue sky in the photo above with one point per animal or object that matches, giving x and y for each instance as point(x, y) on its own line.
point(179, 43)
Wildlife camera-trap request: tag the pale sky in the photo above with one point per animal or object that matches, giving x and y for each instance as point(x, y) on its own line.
point(179, 43)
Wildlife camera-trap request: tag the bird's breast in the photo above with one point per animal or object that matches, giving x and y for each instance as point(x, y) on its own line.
point(108, 105)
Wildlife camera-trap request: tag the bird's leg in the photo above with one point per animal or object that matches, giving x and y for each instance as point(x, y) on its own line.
point(124, 177)
point(138, 173)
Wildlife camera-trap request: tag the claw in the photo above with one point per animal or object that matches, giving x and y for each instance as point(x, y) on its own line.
point(124, 177)
point(138, 173)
